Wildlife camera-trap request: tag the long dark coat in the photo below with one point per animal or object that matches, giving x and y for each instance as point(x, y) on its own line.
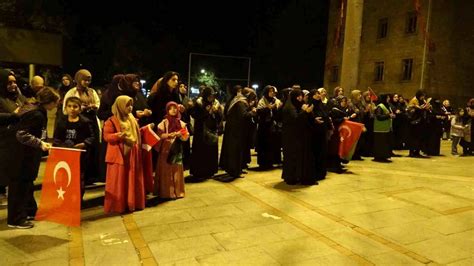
point(204, 158)
point(235, 139)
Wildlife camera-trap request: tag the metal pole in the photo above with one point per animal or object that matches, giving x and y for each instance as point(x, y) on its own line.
point(31, 72)
point(189, 73)
point(248, 75)
point(423, 63)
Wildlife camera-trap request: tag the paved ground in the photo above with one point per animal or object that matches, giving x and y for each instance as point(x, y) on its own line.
point(409, 212)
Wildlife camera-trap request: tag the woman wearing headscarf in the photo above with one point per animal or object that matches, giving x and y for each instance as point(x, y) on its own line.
point(235, 142)
point(416, 112)
point(434, 128)
point(367, 140)
point(356, 107)
point(268, 151)
point(320, 126)
point(207, 115)
point(90, 104)
point(398, 122)
point(338, 114)
point(251, 97)
point(66, 84)
point(11, 101)
point(124, 188)
point(169, 174)
point(383, 130)
point(298, 157)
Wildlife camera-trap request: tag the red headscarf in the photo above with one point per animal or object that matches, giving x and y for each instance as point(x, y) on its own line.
point(174, 122)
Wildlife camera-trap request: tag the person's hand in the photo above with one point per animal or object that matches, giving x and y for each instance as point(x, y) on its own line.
point(319, 120)
point(79, 146)
point(215, 108)
point(120, 135)
point(45, 146)
point(177, 134)
point(140, 114)
point(181, 108)
point(17, 110)
point(398, 111)
point(392, 116)
point(208, 108)
point(190, 103)
point(346, 118)
point(165, 136)
point(353, 115)
point(254, 110)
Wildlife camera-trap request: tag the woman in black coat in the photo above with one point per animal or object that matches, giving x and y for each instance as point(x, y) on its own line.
point(235, 142)
point(207, 115)
point(28, 151)
point(320, 126)
point(298, 157)
point(268, 150)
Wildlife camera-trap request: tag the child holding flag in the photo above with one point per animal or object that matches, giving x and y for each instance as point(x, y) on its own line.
point(169, 177)
point(75, 131)
point(124, 189)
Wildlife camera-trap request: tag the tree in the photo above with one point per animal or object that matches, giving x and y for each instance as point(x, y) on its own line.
point(207, 78)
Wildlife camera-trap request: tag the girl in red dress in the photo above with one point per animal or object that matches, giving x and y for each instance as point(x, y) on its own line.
point(169, 178)
point(124, 189)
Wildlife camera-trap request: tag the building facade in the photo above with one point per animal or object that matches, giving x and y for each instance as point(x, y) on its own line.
point(404, 46)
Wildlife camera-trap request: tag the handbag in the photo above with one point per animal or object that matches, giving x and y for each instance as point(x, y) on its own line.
point(175, 155)
point(209, 137)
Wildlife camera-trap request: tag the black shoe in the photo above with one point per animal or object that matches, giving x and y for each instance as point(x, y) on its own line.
point(23, 225)
point(30, 218)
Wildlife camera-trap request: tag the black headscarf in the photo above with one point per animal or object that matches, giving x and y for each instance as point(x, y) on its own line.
point(12, 95)
point(206, 93)
point(293, 98)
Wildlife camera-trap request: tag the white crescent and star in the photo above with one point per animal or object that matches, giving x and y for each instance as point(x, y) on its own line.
point(346, 128)
point(65, 166)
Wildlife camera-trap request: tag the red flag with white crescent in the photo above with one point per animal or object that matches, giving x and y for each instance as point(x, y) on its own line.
point(61, 193)
point(350, 134)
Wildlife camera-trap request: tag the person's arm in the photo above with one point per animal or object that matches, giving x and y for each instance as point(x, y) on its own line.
point(30, 122)
point(111, 135)
point(8, 119)
point(380, 115)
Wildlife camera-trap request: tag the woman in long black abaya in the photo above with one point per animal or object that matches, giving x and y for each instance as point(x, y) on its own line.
point(207, 114)
point(298, 157)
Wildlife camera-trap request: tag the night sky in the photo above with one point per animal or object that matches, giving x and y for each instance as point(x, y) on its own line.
point(285, 39)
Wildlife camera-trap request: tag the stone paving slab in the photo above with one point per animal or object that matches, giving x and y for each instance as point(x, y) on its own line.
point(409, 212)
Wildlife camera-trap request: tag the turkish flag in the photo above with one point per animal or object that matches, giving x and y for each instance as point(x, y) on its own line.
point(350, 134)
point(61, 193)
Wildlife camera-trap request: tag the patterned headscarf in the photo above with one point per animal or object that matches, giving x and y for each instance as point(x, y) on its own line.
point(174, 122)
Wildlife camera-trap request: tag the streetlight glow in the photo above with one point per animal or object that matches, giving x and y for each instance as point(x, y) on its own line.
point(203, 71)
point(255, 86)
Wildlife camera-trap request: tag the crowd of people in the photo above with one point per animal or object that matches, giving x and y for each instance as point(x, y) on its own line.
point(140, 145)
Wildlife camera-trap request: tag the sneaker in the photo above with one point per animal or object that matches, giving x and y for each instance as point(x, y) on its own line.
point(30, 218)
point(23, 225)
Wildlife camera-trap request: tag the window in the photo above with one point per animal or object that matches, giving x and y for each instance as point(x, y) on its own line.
point(407, 69)
point(410, 26)
point(383, 28)
point(335, 74)
point(378, 71)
